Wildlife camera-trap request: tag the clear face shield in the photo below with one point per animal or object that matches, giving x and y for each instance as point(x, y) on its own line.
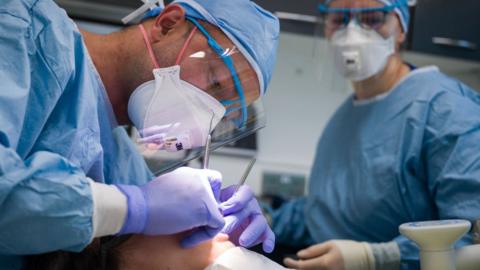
point(355, 40)
point(212, 89)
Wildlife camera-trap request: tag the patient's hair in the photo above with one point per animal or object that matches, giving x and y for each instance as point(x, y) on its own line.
point(101, 254)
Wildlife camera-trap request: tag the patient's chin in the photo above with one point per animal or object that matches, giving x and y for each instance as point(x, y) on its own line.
point(165, 252)
point(220, 244)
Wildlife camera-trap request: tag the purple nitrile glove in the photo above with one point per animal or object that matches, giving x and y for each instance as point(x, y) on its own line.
point(244, 221)
point(179, 201)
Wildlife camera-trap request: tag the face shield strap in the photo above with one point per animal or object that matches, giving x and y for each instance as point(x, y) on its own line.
point(227, 59)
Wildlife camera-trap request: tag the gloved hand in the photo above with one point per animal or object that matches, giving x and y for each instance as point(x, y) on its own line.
point(334, 255)
point(178, 201)
point(244, 221)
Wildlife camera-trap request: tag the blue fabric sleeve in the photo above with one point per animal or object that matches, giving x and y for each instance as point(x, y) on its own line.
point(45, 204)
point(452, 156)
point(45, 201)
point(288, 224)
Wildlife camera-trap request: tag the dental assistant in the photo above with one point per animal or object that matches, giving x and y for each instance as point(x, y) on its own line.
point(404, 147)
point(68, 171)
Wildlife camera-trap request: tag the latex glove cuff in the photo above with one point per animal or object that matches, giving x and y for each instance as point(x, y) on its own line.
point(137, 210)
point(387, 255)
point(356, 255)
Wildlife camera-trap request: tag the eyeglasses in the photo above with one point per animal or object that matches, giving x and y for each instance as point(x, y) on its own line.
point(369, 18)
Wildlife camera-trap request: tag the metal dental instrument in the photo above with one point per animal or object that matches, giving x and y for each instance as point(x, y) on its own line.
point(206, 156)
point(245, 174)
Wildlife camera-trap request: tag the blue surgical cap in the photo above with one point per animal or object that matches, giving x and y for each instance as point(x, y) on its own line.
point(252, 29)
point(401, 8)
point(402, 11)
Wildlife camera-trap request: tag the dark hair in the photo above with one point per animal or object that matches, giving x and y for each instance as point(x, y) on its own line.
point(101, 254)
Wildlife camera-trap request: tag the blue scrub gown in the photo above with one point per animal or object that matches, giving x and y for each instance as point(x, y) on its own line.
point(56, 129)
point(410, 155)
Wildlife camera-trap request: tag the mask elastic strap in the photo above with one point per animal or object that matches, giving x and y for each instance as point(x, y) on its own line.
point(185, 46)
point(149, 46)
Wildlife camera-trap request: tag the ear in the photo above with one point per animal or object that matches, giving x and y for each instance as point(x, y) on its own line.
point(401, 37)
point(171, 17)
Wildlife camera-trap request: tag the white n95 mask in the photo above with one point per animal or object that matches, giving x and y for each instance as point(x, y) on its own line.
point(360, 53)
point(172, 114)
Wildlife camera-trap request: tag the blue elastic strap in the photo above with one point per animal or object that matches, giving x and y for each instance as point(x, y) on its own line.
point(227, 59)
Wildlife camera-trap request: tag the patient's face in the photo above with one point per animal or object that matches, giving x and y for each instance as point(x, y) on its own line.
point(165, 252)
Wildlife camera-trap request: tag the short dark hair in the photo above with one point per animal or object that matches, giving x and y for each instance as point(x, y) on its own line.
point(101, 254)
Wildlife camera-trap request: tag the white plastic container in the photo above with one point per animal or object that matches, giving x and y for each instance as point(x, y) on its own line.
point(436, 240)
